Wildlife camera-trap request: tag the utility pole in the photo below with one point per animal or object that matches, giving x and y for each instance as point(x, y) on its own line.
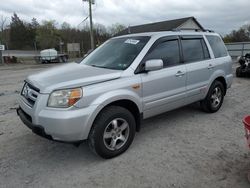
point(91, 23)
point(1, 57)
point(2, 47)
point(91, 26)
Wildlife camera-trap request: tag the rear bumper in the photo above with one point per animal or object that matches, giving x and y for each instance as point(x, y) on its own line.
point(229, 80)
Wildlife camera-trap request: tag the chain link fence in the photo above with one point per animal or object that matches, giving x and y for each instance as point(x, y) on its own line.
point(238, 48)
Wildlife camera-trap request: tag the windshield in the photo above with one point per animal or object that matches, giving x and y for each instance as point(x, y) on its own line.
point(117, 53)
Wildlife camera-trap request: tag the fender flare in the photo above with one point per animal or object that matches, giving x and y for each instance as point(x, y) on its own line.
point(217, 74)
point(107, 98)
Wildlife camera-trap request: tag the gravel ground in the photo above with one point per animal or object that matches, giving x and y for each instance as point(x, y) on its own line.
point(182, 148)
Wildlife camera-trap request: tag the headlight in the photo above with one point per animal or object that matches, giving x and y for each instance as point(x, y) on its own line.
point(64, 98)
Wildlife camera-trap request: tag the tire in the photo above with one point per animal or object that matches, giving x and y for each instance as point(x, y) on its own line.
point(105, 139)
point(214, 98)
point(60, 60)
point(238, 72)
point(64, 59)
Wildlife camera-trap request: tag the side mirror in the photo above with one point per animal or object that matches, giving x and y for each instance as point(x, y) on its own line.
point(153, 64)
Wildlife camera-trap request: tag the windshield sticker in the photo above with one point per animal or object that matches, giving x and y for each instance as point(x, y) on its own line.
point(131, 41)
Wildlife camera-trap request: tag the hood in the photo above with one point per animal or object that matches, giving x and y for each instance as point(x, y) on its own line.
point(71, 75)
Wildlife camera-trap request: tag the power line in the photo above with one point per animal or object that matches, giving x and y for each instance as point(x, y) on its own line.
point(83, 21)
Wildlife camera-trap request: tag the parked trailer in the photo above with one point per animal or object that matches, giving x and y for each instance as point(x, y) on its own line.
point(52, 56)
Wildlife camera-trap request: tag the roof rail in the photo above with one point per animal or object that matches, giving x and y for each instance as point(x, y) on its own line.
point(187, 29)
point(191, 29)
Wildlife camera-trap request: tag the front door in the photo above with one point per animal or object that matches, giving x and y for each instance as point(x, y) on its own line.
point(164, 89)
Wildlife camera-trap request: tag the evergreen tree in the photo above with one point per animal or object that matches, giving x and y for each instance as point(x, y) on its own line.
point(17, 33)
point(48, 35)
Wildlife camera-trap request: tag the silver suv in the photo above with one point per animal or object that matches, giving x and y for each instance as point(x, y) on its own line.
point(129, 78)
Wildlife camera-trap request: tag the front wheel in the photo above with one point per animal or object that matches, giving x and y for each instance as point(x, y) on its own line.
point(112, 132)
point(214, 98)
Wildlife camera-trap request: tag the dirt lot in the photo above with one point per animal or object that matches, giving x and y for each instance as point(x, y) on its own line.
point(182, 148)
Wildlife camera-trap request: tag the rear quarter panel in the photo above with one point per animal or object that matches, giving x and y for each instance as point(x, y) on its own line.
point(222, 68)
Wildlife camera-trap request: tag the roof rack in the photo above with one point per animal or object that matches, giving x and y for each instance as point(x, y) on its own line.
point(191, 29)
point(187, 29)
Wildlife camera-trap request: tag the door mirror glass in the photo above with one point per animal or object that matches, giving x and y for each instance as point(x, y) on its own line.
point(153, 64)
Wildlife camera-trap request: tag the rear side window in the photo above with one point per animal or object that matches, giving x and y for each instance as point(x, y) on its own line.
point(168, 51)
point(217, 46)
point(194, 50)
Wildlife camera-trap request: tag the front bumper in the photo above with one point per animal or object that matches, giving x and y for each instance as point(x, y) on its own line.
point(39, 130)
point(64, 125)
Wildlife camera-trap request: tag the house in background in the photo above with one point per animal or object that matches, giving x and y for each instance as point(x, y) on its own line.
point(189, 23)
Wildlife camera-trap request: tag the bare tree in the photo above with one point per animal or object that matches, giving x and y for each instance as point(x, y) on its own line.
point(3, 22)
point(240, 35)
point(116, 28)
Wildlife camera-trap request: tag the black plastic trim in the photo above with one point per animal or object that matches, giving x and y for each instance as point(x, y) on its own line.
point(39, 130)
point(32, 87)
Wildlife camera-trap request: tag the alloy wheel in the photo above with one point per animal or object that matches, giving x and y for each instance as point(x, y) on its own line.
point(216, 97)
point(116, 134)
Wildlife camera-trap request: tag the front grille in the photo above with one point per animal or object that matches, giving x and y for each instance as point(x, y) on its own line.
point(30, 93)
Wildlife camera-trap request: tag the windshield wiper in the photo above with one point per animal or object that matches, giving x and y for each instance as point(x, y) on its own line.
point(98, 66)
point(105, 67)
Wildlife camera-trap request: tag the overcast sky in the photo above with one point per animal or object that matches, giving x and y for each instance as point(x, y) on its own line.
point(219, 15)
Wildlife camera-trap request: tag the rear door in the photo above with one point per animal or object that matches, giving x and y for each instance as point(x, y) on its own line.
point(197, 60)
point(164, 89)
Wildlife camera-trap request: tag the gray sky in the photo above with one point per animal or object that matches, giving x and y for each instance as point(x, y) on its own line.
point(219, 15)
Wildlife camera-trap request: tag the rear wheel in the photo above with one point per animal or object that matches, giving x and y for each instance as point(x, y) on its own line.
point(214, 98)
point(239, 72)
point(64, 59)
point(60, 59)
point(112, 132)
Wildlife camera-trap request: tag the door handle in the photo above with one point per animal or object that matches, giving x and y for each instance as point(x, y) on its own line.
point(179, 74)
point(210, 66)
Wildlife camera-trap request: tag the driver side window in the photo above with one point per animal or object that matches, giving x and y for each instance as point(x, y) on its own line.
point(168, 51)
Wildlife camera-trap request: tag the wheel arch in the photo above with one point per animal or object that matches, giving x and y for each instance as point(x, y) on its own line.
point(223, 81)
point(128, 103)
point(220, 76)
point(130, 106)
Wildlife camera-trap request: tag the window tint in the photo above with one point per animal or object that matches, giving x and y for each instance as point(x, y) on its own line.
point(217, 46)
point(194, 50)
point(167, 51)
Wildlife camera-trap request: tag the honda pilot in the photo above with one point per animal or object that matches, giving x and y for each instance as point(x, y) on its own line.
point(104, 98)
